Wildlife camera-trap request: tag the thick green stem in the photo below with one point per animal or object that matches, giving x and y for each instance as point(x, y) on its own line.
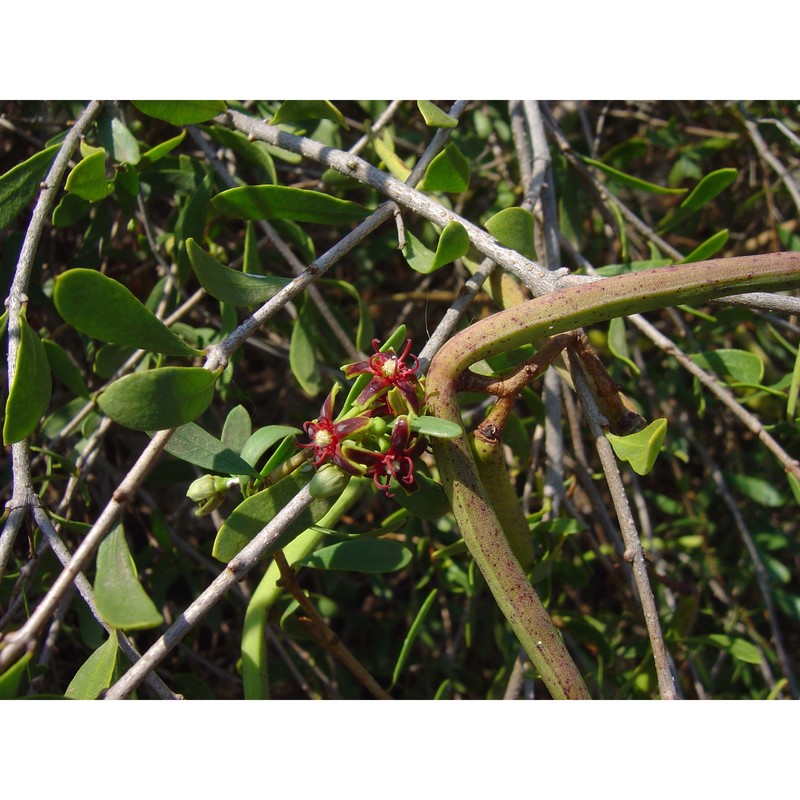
point(561, 311)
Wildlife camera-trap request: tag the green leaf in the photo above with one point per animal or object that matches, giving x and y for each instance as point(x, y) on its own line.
point(253, 514)
point(640, 449)
point(708, 188)
point(618, 343)
point(448, 172)
point(88, 178)
point(20, 184)
point(254, 154)
point(118, 140)
point(160, 150)
point(740, 649)
point(299, 110)
point(360, 555)
point(229, 285)
point(263, 439)
point(237, 429)
point(630, 180)
point(365, 332)
point(513, 227)
point(284, 202)
point(742, 366)
point(182, 112)
point(391, 160)
point(70, 210)
point(64, 368)
point(29, 395)
point(196, 446)
point(413, 632)
point(434, 116)
point(302, 352)
point(453, 243)
point(120, 598)
point(757, 489)
point(428, 501)
point(157, 399)
point(707, 248)
point(96, 674)
point(11, 679)
point(436, 427)
point(104, 309)
point(794, 485)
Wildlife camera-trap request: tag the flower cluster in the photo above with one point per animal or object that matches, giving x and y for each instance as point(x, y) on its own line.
point(374, 436)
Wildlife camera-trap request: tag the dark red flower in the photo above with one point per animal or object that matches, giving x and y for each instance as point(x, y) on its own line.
point(327, 436)
point(388, 370)
point(397, 462)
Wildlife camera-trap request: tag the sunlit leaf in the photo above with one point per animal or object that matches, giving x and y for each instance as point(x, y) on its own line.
point(630, 180)
point(453, 243)
point(436, 427)
point(391, 160)
point(742, 366)
point(237, 429)
point(300, 110)
point(708, 188)
point(434, 116)
point(104, 309)
point(196, 446)
point(11, 679)
point(88, 178)
point(284, 202)
point(230, 285)
point(20, 184)
point(120, 598)
point(448, 172)
point(29, 394)
point(96, 674)
point(513, 227)
point(708, 248)
point(253, 514)
point(120, 143)
point(181, 112)
point(157, 399)
point(642, 448)
point(160, 150)
point(264, 438)
point(360, 555)
point(618, 343)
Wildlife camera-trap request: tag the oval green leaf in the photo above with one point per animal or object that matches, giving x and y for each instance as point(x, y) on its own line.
point(285, 202)
point(642, 448)
point(181, 112)
point(448, 172)
point(708, 188)
point(434, 116)
point(300, 110)
point(513, 227)
point(360, 555)
point(436, 427)
point(104, 309)
point(120, 598)
point(263, 439)
point(196, 446)
point(96, 674)
point(230, 285)
point(237, 429)
point(88, 178)
point(253, 514)
point(742, 366)
point(157, 399)
point(29, 395)
point(118, 140)
point(453, 243)
point(21, 183)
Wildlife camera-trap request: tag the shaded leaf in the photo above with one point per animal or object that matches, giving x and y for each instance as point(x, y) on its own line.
point(230, 285)
point(96, 674)
point(448, 172)
point(20, 184)
point(29, 394)
point(255, 154)
point(11, 679)
point(513, 227)
point(742, 366)
point(237, 429)
point(365, 332)
point(453, 243)
point(642, 448)
point(708, 188)
point(412, 634)
point(196, 446)
point(303, 353)
point(360, 555)
point(253, 514)
point(757, 489)
point(618, 343)
point(181, 112)
point(104, 309)
point(429, 501)
point(121, 600)
point(70, 210)
point(88, 178)
point(299, 110)
point(284, 202)
point(434, 116)
point(118, 140)
point(157, 399)
point(64, 368)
